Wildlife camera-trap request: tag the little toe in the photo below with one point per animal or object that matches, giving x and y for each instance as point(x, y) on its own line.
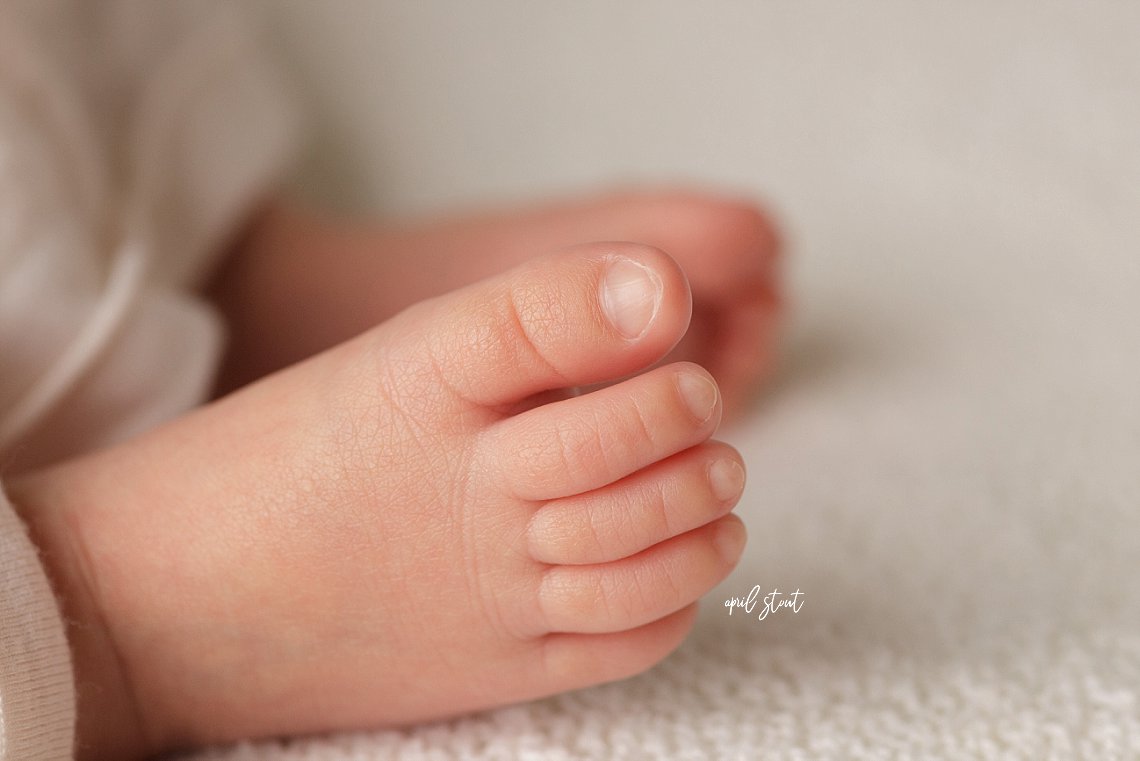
point(631, 592)
point(581, 444)
point(667, 499)
point(579, 660)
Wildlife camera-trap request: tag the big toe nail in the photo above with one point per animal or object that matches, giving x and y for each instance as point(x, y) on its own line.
point(631, 296)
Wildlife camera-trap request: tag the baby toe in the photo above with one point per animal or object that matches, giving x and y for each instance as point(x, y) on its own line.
point(583, 443)
point(578, 660)
point(670, 498)
point(634, 591)
point(581, 316)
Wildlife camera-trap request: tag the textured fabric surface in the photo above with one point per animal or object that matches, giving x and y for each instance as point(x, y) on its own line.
point(947, 466)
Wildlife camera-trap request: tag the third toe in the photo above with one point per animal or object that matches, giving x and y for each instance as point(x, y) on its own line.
point(580, 444)
point(674, 496)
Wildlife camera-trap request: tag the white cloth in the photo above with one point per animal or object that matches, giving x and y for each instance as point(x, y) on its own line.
point(134, 136)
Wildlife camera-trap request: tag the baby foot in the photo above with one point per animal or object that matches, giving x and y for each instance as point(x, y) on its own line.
point(283, 308)
point(400, 529)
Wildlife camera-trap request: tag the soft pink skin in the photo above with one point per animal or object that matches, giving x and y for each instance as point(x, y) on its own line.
point(404, 526)
point(305, 283)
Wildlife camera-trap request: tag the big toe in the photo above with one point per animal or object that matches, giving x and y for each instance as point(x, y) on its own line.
point(580, 316)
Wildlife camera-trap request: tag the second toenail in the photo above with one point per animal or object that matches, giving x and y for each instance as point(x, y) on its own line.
point(699, 394)
point(726, 478)
point(630, 296)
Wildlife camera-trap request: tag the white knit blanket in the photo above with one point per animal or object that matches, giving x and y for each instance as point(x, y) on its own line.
point(948, 467)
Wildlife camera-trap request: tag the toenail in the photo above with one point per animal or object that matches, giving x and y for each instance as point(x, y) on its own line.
point(729, 539)
point(699, 394)
point(726, 478)
point(631, 295)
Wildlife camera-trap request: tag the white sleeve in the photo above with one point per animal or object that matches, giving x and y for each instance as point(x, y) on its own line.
point(37, 698)
point(134, 137)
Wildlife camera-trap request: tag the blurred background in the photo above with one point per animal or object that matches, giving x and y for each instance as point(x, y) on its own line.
point(823, 107)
